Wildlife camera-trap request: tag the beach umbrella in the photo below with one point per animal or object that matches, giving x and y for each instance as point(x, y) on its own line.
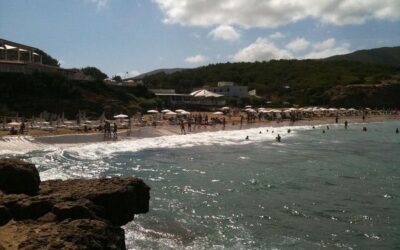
point(170, 113)
point(185, 113)
point(165, 111)
point(179, 111)
point(120, 116)
point(351, 109)
point(152, 111)
point(251, 111)
point(218, 113)
point(14, 124)
point(225, 108)
point(248, 106)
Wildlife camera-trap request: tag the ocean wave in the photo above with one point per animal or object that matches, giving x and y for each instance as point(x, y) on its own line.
point(103, 150)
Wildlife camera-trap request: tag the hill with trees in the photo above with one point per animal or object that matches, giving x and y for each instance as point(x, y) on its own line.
point(386, 56)
point(303, 82)
point(30, 95)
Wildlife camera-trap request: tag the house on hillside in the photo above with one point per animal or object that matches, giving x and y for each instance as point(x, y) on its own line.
point(230, 89)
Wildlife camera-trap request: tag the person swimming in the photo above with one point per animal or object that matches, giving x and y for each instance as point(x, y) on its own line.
point(323, 131)
point(327, 128)
point(289, 131)
point(247, 137)
point(278, 138)
point(313, 127)
point(365, 129)
point(260, 132)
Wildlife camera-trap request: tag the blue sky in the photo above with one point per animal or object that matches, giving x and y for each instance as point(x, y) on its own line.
point(137, 36)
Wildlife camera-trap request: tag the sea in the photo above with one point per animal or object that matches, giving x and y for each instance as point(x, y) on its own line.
point(216, 190)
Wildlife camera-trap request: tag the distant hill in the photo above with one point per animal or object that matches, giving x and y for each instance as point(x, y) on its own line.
point(29, 95)
point(311, 82)
point(386, 56)
point(157, 71)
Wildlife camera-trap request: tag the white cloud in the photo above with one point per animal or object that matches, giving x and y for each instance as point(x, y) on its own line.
point(225, 32)
point(273, 13)
point(100, 3)
point(277, 35)
point(327, 44)
point(298, 44)
point(327, 48)
point(262, 49)
point(196, 59)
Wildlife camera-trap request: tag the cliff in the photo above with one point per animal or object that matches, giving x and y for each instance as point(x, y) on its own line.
point(71, 214)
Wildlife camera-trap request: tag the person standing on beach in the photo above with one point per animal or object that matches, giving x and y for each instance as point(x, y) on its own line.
point(223, 123)
point(115, 129)
point(346, 124)
point(183, 132)
point(241, 121)
point(337, 119)
point(190, 124)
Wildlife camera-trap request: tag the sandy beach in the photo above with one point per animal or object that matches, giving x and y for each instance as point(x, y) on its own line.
point(63, 138)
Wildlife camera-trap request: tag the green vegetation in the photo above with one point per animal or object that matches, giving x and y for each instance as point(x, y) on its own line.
point(386, 55)
point(32, 94)
point(95, 73)
point(303, 82)
point(47, 59)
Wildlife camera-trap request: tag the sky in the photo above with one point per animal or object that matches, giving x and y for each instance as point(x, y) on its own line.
point(130, 37)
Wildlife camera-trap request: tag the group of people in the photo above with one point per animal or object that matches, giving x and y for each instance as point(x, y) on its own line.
point(109, 132)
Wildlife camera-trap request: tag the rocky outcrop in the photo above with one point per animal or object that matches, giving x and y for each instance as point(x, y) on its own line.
point(18, 177)
point(71, 214)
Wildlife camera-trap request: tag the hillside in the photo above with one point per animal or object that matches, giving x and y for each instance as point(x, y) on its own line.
point(32, 94)
point(154, 72)
point(309, 80)
point(386, 56)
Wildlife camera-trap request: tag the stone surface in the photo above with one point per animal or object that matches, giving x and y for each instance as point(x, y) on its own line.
point(18, 177)
point(71, 214)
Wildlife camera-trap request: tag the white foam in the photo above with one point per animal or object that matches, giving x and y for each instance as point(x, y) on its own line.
point(17, 145)
point(101, 150)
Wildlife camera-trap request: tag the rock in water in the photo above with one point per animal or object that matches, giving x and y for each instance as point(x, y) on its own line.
point(71, 214)
point(18, 177)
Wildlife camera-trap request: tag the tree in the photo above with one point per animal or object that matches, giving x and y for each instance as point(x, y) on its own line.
point(95, 73)
point(117, 78)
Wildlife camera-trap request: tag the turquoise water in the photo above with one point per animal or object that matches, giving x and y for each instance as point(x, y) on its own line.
point(338, 189)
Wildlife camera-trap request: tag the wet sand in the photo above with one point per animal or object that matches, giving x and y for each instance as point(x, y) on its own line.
point(148, 131)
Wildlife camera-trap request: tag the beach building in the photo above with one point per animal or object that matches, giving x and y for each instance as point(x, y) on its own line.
point(20, 58)
point(230, 89)
point(171, 98)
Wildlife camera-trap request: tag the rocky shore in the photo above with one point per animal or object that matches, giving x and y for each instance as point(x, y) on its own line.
point(71, 214)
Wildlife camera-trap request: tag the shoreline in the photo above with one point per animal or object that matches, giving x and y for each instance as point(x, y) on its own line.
point(165, 130)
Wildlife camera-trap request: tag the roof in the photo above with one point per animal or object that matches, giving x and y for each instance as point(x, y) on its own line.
point(4, 42)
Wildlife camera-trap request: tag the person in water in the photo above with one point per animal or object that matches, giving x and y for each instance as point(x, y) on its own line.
point(278, 138)
point(397, 130)
point(313, 127)
point(365, 129)
point(327, 128)
point(247, 137)
point(323, 131)
point(289, 131)
point(346, 124)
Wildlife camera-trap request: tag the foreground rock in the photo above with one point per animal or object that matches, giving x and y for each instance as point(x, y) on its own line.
point(72, 214)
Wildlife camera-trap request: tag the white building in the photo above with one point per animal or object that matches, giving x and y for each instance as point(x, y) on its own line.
point(230, 89)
